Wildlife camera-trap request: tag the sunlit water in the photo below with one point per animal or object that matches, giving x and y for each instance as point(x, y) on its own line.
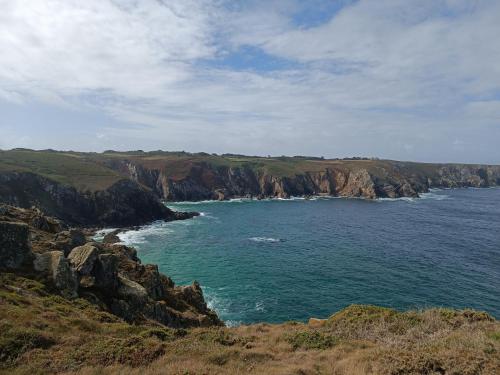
point(281, 260)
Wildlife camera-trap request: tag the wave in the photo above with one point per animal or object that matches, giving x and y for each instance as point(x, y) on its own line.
point(219, 304)
point(399, 199)
point(266, 239)
point(432, 195)
point(259, 306)
point(99, 235)
point(140, 236)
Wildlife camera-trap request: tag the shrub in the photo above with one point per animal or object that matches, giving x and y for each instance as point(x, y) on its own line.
point(16, 341)
point(311, 340)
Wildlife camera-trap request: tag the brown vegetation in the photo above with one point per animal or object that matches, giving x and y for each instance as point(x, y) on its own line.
point(45, 333)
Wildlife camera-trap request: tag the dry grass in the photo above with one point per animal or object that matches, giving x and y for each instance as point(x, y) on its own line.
point(42, 333)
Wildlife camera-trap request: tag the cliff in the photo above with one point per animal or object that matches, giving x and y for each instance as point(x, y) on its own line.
point(207, 179)
point(125, 188)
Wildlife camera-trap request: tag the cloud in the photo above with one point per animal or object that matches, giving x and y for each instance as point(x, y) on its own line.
point(387, 78)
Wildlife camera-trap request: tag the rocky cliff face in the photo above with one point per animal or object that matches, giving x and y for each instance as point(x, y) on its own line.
point(109, 275)
point(125, 203)
point(387, 179)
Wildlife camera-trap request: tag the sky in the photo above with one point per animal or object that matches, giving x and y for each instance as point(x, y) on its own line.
point(407, 80)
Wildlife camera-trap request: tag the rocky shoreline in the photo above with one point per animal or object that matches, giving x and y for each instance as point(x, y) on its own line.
point(107, 274)
point(126, 189)
point(370, 180)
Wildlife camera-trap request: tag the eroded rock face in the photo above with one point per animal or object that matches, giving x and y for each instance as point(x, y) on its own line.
point(15, 250)
point(54, 265)
point(124, 203)
point(359, 184)
point(368, 179)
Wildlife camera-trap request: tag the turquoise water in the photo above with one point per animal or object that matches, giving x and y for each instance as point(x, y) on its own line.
point(280, 260)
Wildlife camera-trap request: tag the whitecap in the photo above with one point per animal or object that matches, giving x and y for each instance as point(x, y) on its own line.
point(432, 195)
point(259, 306)
point(139, 236)
point(265, 239)
point(399, 199)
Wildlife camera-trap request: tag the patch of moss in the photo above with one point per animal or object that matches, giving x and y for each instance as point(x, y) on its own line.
point(164, 334)
point(104, 351)
point(494, 336)
point(456, 317)
point(311, 340)
point(360, 314)
point(15, 341)
point(219, 336)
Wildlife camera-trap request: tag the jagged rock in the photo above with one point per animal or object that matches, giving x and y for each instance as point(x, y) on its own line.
point(131, 291)
point(106, 272)
point(54, 265)
point(219, 195)
point(67, 240)
point(110, 276)
point(111, 237)
point(15, 250)
point(45, 223)
point(193, 295)
point(359, 184)
point(83, 258)
point(125, 251)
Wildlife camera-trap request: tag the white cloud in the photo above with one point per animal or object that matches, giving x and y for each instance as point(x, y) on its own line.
point(386, 78)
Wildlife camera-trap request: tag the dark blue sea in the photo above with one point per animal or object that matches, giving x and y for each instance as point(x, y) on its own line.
point(278, 260)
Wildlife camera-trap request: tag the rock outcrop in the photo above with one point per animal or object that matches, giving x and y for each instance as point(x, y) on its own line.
point(109, 275)
point(368, 179)
point(56, 268)
point(125, 203)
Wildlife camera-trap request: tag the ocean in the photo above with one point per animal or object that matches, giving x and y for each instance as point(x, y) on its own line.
point(279, 260)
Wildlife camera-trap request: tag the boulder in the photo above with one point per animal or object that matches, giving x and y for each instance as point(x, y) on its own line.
point(56, 267)
point(125, 251)
point(134, 293)
point(45, 223)
point(112, 237)
point(83, 258)
point(15, 250)
point(106, 272)
point(69, 239)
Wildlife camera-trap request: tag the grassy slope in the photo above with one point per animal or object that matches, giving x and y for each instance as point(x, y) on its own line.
point(44, 333)
point(68, 168)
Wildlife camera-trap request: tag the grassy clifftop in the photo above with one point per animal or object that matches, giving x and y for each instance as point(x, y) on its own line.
point(181, 176)
point(44, 333)
point(72, 169)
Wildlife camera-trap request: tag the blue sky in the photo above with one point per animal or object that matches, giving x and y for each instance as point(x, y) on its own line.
point(408, 80)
